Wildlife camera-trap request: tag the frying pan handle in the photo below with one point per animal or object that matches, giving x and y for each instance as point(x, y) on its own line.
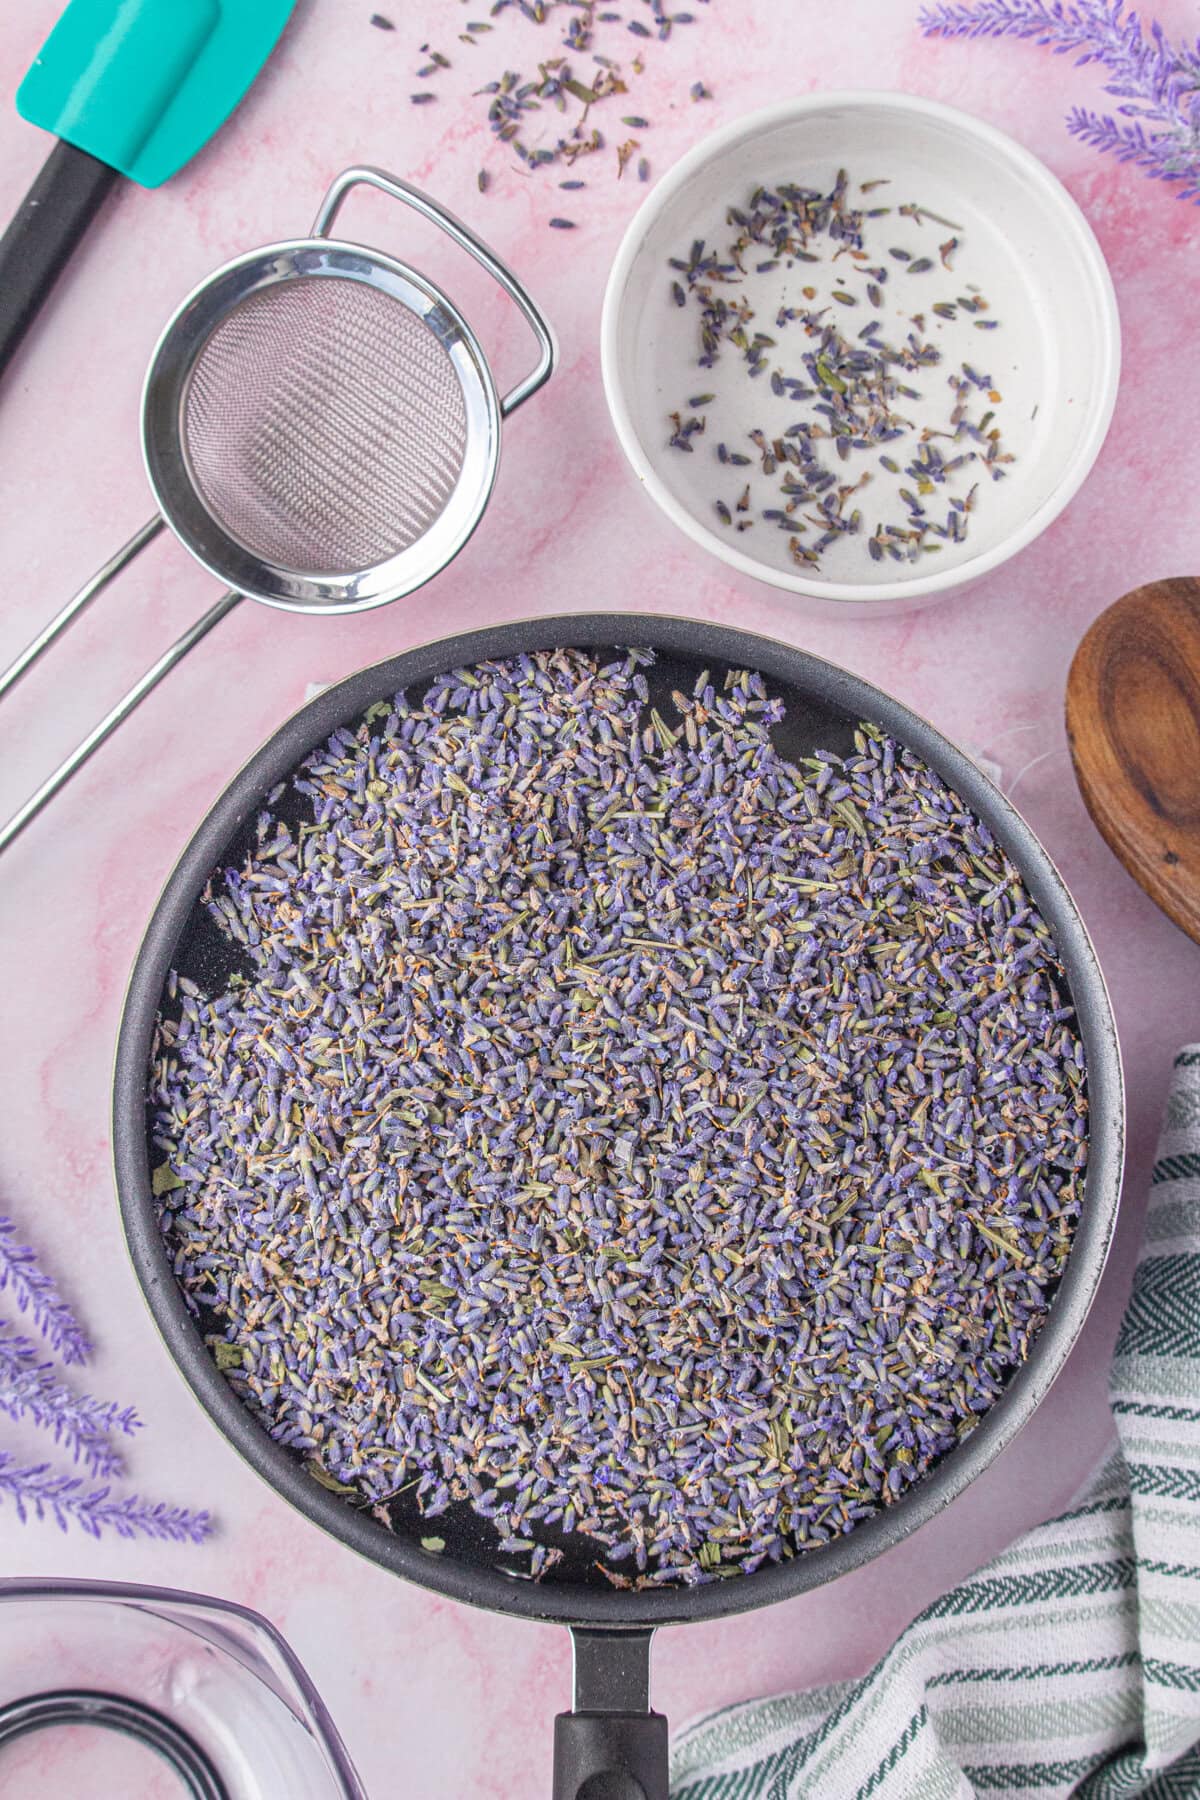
point(612, 1747)
point(466, 239)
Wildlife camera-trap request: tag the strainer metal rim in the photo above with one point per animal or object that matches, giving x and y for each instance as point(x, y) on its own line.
point(164, 397)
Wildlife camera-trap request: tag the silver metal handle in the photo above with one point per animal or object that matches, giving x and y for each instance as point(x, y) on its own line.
point(465, 237)
point(71, 611)
point(119, 713)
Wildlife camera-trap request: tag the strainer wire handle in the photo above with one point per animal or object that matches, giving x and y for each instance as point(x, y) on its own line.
point(117, 716)
point(67, 615)
point(463, 236)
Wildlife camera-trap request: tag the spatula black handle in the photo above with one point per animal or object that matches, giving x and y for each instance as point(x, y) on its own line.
point(35, 249)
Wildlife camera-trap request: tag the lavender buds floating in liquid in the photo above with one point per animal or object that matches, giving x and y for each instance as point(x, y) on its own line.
point(842, 399)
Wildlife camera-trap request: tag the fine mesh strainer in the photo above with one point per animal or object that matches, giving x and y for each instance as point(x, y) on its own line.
point(321, 430)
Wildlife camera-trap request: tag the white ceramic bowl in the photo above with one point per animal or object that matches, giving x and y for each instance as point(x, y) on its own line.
point(1054, 355)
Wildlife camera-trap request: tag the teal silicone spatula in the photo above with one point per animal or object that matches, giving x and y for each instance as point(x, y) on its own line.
point(129, 87)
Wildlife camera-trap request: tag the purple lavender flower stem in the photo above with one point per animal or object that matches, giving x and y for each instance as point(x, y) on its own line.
point(35, 1293)
point(1131, 144)
point(39, 1491)
point(81, 1423)
point(1159, 82)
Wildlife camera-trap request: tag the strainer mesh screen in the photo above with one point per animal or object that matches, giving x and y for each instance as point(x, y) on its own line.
point(325, 425)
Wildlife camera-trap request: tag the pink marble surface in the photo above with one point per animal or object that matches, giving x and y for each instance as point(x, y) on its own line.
point(436, 1701)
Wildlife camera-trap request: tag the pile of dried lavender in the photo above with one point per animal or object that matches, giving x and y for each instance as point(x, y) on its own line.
point(623, 1128)
point(848, 390)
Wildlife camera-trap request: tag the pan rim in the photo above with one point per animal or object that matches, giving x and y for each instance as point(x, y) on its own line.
point(573, 1605)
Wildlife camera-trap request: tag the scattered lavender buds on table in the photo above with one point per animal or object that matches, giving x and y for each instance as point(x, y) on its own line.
point(619, 1127)
point(548, 119)
point(858, 396)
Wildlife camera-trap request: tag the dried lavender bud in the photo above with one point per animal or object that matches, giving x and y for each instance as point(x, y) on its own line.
point(621, 1127)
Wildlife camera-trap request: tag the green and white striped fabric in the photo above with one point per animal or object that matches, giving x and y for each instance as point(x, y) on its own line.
point(1070, 1665)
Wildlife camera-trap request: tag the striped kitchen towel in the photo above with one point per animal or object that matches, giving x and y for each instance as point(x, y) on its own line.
point(1070, 1665)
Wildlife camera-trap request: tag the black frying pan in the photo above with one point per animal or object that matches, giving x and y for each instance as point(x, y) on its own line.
point(612, 1747)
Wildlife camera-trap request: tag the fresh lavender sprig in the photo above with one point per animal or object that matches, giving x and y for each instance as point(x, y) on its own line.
point(1157, 81)
point(35, 1293)
point(40, 1491)
point(1133, 144)
point(81, 1423)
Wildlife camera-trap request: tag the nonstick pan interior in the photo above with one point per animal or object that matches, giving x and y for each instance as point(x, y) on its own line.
point(823, 704)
